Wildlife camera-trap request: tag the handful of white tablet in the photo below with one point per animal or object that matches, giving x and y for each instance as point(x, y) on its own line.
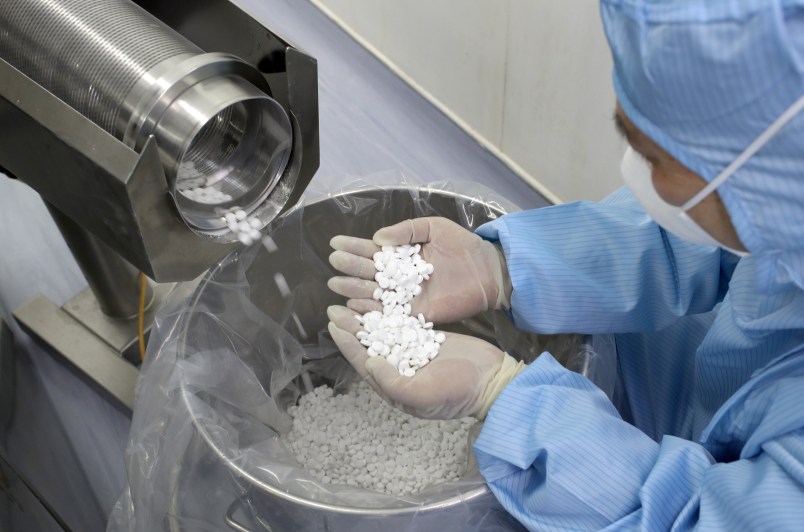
point(406, 342)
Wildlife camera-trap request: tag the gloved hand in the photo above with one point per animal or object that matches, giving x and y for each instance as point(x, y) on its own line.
point(463, 380)
point(470, 273)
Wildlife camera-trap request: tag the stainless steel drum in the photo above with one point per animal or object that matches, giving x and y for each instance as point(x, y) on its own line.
point(302, 240)
point(217, 128)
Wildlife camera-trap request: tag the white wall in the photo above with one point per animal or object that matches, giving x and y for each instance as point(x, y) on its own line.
point(532, 77)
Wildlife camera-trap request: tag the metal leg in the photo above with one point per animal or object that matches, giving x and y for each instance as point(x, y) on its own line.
point(112, 279)
point(96, 331)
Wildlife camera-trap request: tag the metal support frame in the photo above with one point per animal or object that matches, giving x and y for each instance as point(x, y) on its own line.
point(142, 226)
point(114, 282)
point(80, 348)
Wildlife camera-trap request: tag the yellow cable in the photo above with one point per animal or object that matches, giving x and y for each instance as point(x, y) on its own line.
point(141, 315)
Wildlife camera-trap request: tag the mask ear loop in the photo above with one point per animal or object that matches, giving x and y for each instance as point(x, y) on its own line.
point(747, 154)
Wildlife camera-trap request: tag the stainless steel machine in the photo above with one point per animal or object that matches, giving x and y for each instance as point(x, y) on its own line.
point(142, 125)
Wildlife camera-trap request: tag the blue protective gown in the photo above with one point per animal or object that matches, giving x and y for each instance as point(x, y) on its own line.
point(711, 432)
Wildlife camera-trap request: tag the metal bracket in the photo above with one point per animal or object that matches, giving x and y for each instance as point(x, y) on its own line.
point(83, 350)
point(119, 334)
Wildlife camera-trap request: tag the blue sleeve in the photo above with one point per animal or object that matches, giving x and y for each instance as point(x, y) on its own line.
point(603, 267)
point(557, 456)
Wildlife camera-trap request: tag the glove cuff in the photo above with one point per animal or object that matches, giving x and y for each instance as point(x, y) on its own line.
point(504, 286)
point(509, 369)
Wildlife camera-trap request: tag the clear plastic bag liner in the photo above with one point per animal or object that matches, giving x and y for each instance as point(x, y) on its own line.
point(226, 359)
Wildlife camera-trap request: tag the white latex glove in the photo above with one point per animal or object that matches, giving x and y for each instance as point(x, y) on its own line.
point(463, 380)
point(469, 276)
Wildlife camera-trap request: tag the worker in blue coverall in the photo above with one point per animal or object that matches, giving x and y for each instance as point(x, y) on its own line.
point(697, 267)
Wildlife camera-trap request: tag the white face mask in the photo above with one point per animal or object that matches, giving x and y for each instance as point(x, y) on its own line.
point(637, 176)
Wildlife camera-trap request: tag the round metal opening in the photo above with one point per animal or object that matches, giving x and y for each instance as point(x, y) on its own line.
point(232, 162)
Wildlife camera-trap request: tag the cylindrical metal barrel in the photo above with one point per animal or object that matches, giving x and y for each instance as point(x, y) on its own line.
point(223, 141)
